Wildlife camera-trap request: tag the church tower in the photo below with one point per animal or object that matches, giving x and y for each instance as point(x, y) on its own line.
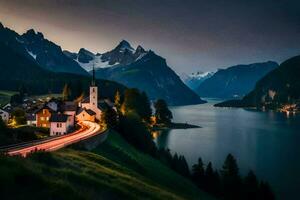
point(93, 92)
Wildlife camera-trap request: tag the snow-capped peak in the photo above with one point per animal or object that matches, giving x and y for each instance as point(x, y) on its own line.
point(193, 80)
point(200, 75)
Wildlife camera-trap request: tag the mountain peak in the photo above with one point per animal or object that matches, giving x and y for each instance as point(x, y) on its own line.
point(32, 33)
point(123, 45)
point(140, 49)
point(1, 25)
point(85, 51)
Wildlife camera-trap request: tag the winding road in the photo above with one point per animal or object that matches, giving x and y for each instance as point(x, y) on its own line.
point(88, 129)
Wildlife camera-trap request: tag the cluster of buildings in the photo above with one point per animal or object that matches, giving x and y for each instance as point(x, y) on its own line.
point(61, 116)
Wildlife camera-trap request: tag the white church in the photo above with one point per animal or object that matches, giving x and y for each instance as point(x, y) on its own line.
point(89, 108)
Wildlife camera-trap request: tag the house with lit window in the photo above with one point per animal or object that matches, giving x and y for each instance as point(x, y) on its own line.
point(60, 124)
point(43, 115)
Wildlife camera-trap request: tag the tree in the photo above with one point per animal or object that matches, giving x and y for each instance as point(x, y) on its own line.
point(265, 192)
point(110, 118)
point(212, 180)
point(231, 181)
point(118, 102)
point(250, 186)
point(136, 133)
point(137, 102)
point(146, 111)
point(198, 173)
point(66, 94)
point(162, 112)
point(18, 116)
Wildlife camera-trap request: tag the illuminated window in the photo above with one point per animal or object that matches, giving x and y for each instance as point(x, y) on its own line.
point(42, 118)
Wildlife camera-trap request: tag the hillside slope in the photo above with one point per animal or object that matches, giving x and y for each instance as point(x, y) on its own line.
point(115, 170)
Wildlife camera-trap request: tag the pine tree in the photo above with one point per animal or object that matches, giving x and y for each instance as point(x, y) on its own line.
point(198, 173)
point(117, 101)
point(250, 185)
point(110, 118)
point(66, 94)
point(146, 109)
point(162, 112)
point(231, 181)
point(265, 192)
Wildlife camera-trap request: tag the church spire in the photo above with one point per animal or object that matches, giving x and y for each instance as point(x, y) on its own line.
point(93, 79)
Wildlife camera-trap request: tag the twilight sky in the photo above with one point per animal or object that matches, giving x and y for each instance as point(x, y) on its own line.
point(192, 35)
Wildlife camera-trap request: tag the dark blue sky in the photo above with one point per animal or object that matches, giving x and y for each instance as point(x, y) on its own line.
point(191, 35)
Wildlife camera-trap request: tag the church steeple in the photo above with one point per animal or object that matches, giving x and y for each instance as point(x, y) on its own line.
point(93, 78)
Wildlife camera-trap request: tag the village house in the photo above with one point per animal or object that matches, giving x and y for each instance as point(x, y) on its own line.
point(84, 114)
point(43, 115)
point(4, 115)
point(60, 124)
point(70, 108)
point(31, 119)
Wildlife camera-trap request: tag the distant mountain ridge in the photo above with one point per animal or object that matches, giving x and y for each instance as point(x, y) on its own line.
point(45, 53)
point(235, 81)
point(278, 88)
point(138, 68)
point(195, 79)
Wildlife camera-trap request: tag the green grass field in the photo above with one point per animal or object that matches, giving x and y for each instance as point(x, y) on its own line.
point(114, 170)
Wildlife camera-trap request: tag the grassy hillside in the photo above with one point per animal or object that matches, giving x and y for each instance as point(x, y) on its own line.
point(114, 170)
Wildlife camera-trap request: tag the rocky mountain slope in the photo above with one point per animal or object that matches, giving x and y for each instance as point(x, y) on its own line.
point(45, 53)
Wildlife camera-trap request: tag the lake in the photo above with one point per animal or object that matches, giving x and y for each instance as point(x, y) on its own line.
point(266, 142)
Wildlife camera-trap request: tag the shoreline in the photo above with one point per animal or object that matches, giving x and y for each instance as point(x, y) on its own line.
point(174, 126)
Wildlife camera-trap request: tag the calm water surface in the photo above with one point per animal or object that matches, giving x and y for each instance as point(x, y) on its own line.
point(266, 142)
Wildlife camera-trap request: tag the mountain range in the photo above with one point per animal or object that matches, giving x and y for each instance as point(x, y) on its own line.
point(17, 70)
point(235, 81)
point(43, 52)
point(132, 67)
point(140, 69)
point(278, 88)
